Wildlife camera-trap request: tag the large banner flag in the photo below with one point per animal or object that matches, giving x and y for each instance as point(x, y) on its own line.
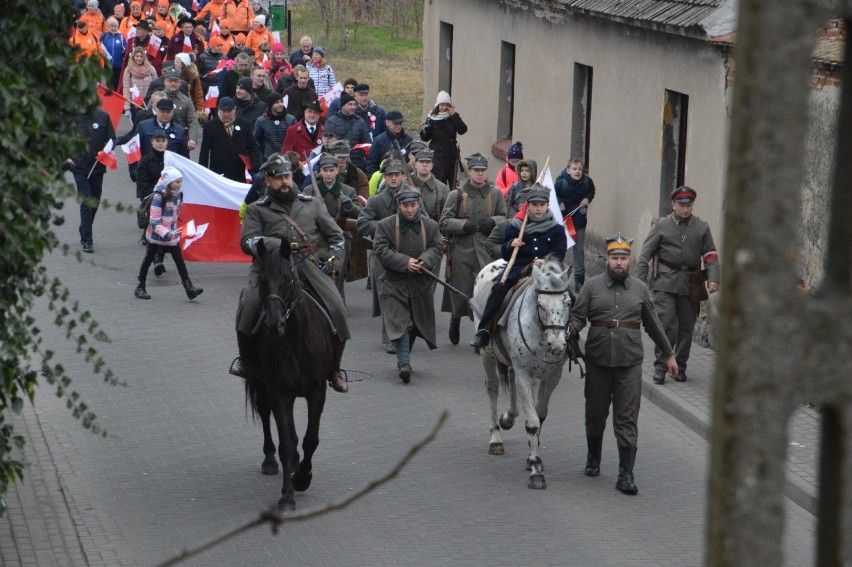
point(553, 207)
point(132, 150)
point(112, 103)
point(329, 96)
point(210, 216)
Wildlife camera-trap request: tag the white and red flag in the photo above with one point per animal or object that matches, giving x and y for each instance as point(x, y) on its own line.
point(132, 149)
point(553, 207)
point(136, 97)
point(107, 155)
point(329, 96)
point(215, 29)
point(154, 44)
point(210, 216)
point(187, 44)
point(212, 97)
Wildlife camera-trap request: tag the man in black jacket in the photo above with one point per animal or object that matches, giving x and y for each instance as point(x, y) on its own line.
point(249, 105)
point(88, 172)
point(228, 146)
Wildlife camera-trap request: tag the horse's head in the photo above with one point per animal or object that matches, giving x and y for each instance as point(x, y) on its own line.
point(553, 303)
point(278, 286)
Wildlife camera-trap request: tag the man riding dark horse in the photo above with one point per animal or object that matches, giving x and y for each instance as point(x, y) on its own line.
point(284, 217)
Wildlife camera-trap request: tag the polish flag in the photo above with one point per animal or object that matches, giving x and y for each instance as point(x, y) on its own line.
point(212, 98)
point(133, 149)
point(136, 97)
point(112, 103)
point(364, 147)
point(194, 5)
point(553, 207)
point(219, 68)
point(154, 44)
point(107, 155)
point(215, 29)
point(131, 33)
point(210, 215)
point(187, 44)
point(329, 96)
point(247, 162)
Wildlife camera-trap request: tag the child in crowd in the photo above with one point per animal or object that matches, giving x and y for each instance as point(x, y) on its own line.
point(575, 191)
point(162, 232)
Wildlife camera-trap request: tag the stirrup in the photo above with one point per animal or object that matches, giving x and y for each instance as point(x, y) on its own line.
point(237, 368)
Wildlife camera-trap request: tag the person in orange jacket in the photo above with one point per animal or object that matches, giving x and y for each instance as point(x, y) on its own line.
point(93, 18)
point(86, 41)
point(240, 15)
point(259, 34)
point(211, 11)
point(132, 20)
point(163, 16)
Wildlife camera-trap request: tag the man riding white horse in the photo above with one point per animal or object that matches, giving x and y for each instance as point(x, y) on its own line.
point(543, 235)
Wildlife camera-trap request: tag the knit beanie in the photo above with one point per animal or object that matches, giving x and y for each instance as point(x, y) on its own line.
point(516, 151)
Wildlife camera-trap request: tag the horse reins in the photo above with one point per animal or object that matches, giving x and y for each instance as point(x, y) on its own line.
point(543, 326)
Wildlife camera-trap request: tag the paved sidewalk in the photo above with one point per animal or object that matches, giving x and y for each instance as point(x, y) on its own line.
point(691, 402)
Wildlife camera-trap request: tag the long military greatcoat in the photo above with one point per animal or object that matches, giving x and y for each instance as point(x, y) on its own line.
point(379, 206)
point(433, 196)
point(469, 251)
point(266, 218)
point(408, 298)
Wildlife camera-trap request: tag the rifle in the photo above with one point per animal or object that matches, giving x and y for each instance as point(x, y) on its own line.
point(450, 287)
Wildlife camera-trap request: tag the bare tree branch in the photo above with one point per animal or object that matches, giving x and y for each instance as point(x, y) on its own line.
point(277, 518)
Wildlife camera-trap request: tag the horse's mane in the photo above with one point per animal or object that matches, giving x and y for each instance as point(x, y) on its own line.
point(553, 271)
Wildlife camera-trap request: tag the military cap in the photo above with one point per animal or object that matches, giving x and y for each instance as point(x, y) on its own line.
point(275, 166)
point(684, 194)
point(339, 148)
point(407, 193)
point(537, 193)
point(165, 103)
point(159, 133)
point(393, 166)
point(477, 161)
point(424, 154)
point(327, 161)
point(171, 73)
point(312, 105)
point(618, 244)
point(226, 103)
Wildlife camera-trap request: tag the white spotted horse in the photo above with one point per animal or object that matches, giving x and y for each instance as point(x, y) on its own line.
point(526, 355)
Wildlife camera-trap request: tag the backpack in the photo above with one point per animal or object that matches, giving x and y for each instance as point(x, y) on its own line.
point(143, 213)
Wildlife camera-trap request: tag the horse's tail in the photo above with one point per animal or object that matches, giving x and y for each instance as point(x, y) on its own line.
point(251, 397)
point(503, 374)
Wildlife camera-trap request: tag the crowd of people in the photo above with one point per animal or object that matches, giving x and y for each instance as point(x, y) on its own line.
point(326, 172)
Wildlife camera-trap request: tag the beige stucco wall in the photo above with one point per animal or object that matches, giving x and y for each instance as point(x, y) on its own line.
point(632, 68)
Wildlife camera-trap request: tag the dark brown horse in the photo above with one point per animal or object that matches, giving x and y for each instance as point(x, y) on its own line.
point(292, 359)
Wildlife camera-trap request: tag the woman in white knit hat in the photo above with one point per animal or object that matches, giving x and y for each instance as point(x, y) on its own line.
point(441, 128)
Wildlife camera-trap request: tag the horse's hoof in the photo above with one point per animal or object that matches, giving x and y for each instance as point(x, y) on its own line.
point(286, 505)
point(537, 482)
point(269, 466)
point(301, 481)
point(506, 421)
point(496, 449)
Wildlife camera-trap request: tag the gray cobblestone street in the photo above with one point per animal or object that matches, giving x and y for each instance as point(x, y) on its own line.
point(182, 459)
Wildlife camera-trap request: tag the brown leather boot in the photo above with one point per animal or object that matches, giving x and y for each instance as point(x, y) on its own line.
point(336, 380)
point(238, 366)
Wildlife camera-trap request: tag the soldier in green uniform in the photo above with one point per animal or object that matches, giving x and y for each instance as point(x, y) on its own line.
point(615, 304)
point(380, 206)
point(433, 193)
point(285, 218)
point(406, 243)
point(342, 203)
point(471, 213)
point(678, 243)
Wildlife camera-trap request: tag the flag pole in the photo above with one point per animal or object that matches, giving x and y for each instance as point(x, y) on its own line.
point(523, 228)
point(91, 171)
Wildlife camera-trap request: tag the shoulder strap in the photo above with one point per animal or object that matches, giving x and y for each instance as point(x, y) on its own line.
point(423, 234)
point(463, 213)
point(307, 245)
point(396, 217)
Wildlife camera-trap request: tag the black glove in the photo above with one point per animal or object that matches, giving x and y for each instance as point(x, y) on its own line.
point(486, 226)
point(469, 227)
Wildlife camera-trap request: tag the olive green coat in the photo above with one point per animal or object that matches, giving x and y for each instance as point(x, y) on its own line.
point(407, 299)
point(433, 196)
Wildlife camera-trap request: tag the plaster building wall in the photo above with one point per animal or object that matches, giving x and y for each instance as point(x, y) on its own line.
point(632, 68)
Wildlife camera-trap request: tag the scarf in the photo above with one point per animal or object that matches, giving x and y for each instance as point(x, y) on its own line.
point(534, 225)
point(435, 116)
point(413, 225)
point(141, 71)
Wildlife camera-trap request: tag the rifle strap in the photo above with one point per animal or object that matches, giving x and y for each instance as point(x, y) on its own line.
point(422, 234)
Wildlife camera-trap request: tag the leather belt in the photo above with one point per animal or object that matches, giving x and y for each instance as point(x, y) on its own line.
point(614, 324)
point(676, 267)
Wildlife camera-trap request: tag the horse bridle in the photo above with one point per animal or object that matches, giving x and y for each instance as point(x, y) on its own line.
point(288, 305)
point(543, 326)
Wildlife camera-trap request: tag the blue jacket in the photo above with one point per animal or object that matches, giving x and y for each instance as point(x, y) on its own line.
point(570, 193)
point(535, 246)
point(374, 116)
point(382, 144)
point(177, 137)
point(115, 45)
